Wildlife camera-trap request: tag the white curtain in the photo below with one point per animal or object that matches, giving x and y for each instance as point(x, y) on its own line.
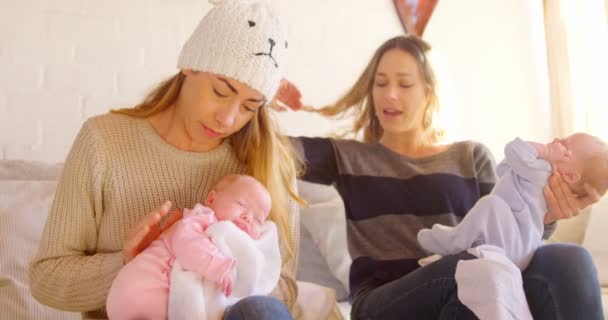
point(577, 49)
point(577, 55)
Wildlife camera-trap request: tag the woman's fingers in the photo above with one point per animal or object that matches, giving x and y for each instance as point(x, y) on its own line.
point(132, 245)
point(565, 198)
point(151, 224)
point(552, 206)
point(154, 217)
point(592, 196)
point(144, 232)
point(562, 203)
point(173, 218)
point(163, 210)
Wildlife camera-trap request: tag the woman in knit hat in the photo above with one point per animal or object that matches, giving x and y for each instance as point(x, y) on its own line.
point(208, 120)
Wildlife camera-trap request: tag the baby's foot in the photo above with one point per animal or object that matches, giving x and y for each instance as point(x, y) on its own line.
point(436, 240)
point(428, 260)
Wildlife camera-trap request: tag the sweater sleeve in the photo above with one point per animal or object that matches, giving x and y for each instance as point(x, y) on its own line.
point(68, 273)
point(523, 159)
point(485, 168)
point(319, 159)
point(196, 252)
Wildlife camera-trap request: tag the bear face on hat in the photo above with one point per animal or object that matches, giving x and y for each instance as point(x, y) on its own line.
point(241, 39)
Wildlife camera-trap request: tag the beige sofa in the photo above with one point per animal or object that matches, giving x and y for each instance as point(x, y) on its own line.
point(26, 192)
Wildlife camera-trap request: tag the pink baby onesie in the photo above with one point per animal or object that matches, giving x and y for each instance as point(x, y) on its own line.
point(141, 289)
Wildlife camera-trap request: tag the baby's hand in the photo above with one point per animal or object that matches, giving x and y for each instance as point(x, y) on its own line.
point(227, 281)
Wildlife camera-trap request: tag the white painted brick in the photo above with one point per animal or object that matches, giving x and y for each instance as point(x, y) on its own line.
point(17, 23)
point(42, 101)
point(139, 81)
point(116, 54)
point(31, 113)
point(18, 127)
point(103, 104)
point(66, 7)
point(93, 31)
point(180, 18)
point(147, 31)
point(133, 8)
point(59, 131)
point(83, 79)
point(42, 52)
point(3, 105)
point(4, 56)
point(17, 76)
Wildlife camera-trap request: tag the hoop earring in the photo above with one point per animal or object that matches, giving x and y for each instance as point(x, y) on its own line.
point(428, 117)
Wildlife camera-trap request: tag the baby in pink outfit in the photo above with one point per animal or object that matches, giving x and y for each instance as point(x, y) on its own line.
point(141, 289)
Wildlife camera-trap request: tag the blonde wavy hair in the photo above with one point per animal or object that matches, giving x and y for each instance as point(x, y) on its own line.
point(268, 156)
point(358, 101)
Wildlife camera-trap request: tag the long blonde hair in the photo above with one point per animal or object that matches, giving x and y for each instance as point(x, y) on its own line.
point(267, 155)
point(358, 101)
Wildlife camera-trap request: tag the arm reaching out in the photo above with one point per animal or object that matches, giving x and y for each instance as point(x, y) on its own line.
point(288, 95)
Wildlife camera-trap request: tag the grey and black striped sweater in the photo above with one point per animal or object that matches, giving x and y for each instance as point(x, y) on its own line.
point(389, 197)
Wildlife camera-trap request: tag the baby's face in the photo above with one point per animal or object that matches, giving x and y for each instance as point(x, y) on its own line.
point(572, 150)
point(245, 203)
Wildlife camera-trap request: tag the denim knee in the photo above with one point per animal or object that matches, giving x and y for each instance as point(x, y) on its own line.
point(561, 283)
point(568, 264)
point(258, 307)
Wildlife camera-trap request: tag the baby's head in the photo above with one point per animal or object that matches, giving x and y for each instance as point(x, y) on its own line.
point(243, 200)
point(581, 158)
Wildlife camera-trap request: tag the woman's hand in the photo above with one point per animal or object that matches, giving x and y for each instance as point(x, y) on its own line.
point(562, 203)
point(288, 95)
point(147, 230)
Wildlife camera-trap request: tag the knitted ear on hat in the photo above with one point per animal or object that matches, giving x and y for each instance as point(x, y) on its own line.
point(240, 39)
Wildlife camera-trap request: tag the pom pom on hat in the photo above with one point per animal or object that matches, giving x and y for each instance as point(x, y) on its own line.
point(240, 39)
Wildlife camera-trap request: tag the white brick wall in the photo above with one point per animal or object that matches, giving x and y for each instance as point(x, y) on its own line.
point(62, 61)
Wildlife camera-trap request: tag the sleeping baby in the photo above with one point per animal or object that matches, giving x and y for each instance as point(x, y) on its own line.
point(216, 255)
point(506, 226)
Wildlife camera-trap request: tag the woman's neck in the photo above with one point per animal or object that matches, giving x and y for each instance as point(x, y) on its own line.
point(169, 127)
point(411, 144)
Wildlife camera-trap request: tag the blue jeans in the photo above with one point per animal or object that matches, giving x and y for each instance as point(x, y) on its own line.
point(258, 308)
point(560, 283)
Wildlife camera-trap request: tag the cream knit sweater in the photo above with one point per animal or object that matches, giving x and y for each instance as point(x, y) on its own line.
point(119, 170)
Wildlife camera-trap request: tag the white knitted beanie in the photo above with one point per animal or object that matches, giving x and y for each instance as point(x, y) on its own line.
point(240, 39)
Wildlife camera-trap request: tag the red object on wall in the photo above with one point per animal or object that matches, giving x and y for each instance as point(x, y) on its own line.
point(414, 14)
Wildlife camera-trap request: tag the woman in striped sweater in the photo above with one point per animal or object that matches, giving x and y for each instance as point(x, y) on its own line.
point(401, 179)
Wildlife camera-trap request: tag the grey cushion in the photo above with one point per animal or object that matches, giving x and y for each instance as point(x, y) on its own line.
point(313, 267)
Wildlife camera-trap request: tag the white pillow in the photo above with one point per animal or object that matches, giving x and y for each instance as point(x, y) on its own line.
point(24, 206)
point(325, 219)
point(595, 238)
point(572, 230)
